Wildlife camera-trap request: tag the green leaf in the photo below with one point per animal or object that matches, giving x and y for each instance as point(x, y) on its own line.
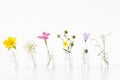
point(14, 47)
point(65, 49)
point(9, 49)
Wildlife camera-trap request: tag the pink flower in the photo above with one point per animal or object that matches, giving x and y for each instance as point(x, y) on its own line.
point(45, 35)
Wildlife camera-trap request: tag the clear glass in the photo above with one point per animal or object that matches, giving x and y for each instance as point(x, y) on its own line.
point(14, 58)
point(68, 61)
point(51, 65)
point(85, 60)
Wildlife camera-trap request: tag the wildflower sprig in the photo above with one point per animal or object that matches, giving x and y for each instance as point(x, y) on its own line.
point(102, 47)
point(68, 42)
point(85, 37)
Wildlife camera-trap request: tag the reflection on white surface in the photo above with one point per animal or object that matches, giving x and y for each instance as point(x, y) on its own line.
point(68, 75)
point(61, 74)
point(104, 74)
point(85, 73)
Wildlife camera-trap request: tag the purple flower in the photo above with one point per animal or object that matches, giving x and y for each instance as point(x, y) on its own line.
point(85, 36)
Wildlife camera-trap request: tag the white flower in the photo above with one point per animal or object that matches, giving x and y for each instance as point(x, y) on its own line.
point(104, 36)
point(30, 47)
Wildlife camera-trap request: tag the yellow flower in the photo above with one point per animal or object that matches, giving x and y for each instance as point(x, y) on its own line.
point(65, 43)
point(10, 42)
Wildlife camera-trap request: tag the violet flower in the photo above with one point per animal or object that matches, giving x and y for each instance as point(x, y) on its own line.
point(85, 53)
point(86, 36)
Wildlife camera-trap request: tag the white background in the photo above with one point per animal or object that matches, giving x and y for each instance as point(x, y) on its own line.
point(26, 19)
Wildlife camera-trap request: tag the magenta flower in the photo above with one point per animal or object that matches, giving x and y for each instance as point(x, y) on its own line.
point(85, 36)
point(45, 35)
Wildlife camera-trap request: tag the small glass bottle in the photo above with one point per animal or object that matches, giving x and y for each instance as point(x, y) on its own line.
point(50, 63)
point(68, 61)
point(85, 59)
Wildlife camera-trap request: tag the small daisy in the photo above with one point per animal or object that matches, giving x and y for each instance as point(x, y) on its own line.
point(30, 47)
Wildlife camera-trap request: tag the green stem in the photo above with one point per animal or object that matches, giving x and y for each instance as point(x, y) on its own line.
point(69, 61)
point(84, 59)
point(85, 54)
point(49, 56)
point(99, 47)
point(62, 39)
point(86, 45)
point(68, 55)
point(104, 54)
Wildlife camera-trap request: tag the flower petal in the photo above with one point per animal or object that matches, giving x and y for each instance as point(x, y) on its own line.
point(48, 34)
point(45, 37)
point(41, 37)
point(85, 36)
point(44, 33)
